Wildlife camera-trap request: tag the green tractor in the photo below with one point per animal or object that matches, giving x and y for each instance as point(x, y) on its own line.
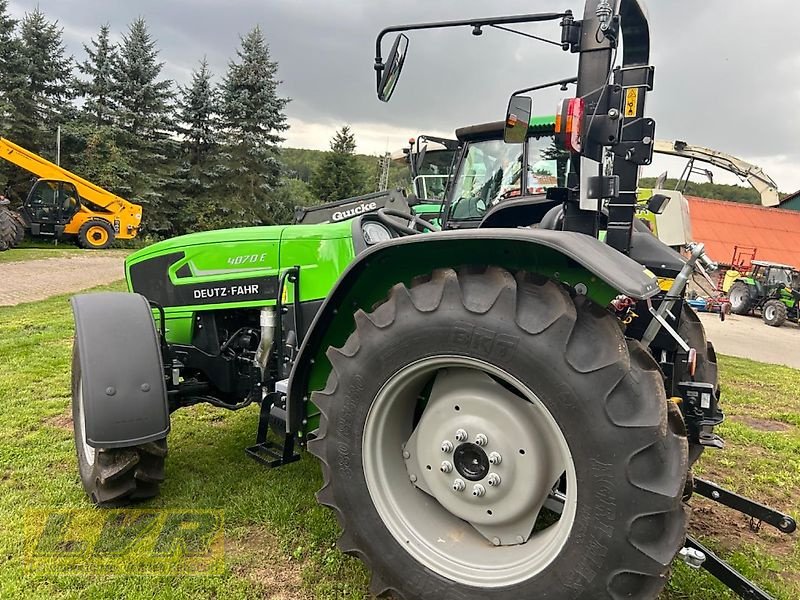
point(506, 409)
point(772, 289)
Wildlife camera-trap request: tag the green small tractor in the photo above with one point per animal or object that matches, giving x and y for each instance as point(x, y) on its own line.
point(506, 409)
point(770, 288)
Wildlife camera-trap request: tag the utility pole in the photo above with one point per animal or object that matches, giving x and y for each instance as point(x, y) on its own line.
point(58, 146)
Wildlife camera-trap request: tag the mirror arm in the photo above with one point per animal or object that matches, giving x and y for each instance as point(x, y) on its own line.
point(542, 86)
point(474, 23)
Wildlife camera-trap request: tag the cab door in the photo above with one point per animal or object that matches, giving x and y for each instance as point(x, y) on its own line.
point(50, 205)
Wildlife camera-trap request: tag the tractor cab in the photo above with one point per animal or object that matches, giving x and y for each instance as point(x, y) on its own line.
point(771, 276)
point(430, 162)
point(50, 205)
point(495, 178)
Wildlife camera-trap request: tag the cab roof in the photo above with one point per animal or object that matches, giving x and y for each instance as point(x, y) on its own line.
point(487, 131)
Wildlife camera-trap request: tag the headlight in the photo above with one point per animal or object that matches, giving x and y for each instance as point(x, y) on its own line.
point(375, 232)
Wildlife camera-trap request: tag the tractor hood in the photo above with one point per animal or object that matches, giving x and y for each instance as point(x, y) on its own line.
point(238, 266)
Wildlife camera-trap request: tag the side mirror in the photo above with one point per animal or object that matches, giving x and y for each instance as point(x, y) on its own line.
point(421, 157)
point(392, 68)
point(658, 203)
point(518, 117)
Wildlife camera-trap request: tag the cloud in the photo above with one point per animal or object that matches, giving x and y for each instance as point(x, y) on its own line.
point(725, 71)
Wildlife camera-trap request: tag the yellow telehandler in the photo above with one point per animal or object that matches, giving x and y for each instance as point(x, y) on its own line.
point(63, 205)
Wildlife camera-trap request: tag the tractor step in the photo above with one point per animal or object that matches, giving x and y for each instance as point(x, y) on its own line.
point(273, 417)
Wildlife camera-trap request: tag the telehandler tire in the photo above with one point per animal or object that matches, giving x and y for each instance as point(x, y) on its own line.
point(96, 234)
point(114, 476)
point(486, 435)
point(774, 313)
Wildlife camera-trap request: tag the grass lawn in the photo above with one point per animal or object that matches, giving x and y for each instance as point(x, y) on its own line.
point(278, 542)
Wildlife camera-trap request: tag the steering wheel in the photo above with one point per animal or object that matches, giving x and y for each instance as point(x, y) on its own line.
point(416, 224)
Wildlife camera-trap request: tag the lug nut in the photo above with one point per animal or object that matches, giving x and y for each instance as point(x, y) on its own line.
point(447, 446)
point(462, 435)
point(459, 485)
point(481, 439)
point(446, 467)
point(495, 458)
point(478, 490)
point(493, 479)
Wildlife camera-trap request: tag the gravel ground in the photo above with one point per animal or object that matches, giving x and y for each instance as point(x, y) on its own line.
point(33, 280)
point(749, 337)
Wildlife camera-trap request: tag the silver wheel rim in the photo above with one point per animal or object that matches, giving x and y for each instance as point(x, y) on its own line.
point(416, 496)
point(88, 451)
point(736, 297)
point(769, 313)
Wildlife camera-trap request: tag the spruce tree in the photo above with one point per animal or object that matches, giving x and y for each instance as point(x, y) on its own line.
point(98, 87)
point(252, 119)
point(143, 116)
point(195, 186)
point(339, 175)
point(39, 88)
point(13, 90)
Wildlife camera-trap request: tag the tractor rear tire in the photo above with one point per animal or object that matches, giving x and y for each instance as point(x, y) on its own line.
point(7, 229)
point(739, 295)
point(114, 476)
point(567, 393)
point(19, 228)
point(96, 234)
point(774, 313)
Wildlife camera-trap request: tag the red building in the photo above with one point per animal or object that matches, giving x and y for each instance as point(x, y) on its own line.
point(721, 226)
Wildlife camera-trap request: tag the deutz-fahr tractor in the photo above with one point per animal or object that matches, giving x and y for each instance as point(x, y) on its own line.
point(771, 288)
point(509, 409)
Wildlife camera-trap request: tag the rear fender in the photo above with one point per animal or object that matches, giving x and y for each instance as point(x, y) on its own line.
point(576, 260)
point(122, 374)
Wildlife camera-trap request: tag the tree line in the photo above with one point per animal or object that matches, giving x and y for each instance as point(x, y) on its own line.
point(198, 156)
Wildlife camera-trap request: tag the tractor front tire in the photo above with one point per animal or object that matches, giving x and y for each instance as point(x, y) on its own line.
point(528, 394)
point(96, 234)
point(739, 295)
point(774, 313)
point(114, 476)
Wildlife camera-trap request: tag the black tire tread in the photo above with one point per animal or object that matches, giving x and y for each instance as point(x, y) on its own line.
point(780, 313)
point(747, 306)
point(7, 229)
point(657, 532)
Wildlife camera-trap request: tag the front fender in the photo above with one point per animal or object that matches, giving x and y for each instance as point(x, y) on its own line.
point(122, 376)
point(574, 259)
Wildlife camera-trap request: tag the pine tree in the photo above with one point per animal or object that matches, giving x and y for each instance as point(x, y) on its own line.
point(38, 87)
point(253, 119)
point(339, 175)
point(13, 86)
point(143, 116)
point(197, 116)
point(98, 88)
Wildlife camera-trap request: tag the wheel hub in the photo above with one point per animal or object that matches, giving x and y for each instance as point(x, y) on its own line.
point(502, 465)
point(471, 461)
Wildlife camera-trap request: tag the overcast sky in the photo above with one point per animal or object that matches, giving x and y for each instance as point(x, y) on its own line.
point(727, 71)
